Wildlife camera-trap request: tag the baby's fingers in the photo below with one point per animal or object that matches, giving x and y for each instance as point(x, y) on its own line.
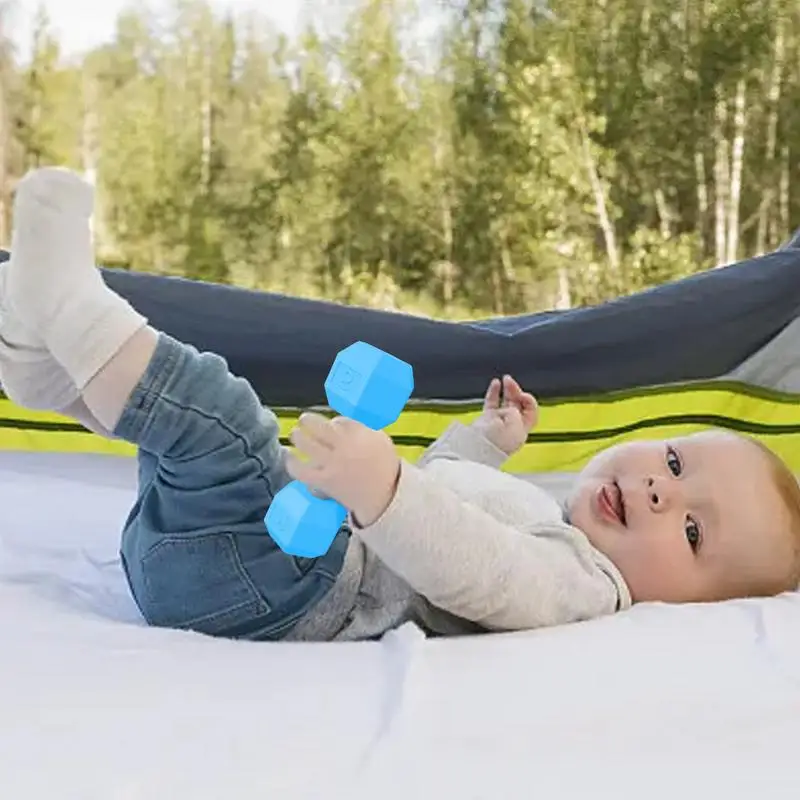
point(320, 428)
point(529, 409)
point(309, 445)
point(492, 398)
point(511, 391)
point(306, 472)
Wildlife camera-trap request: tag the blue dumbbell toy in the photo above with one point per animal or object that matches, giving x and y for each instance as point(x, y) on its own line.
point(367, 385)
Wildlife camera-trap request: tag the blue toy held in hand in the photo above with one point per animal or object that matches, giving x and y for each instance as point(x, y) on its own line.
point(367, 385)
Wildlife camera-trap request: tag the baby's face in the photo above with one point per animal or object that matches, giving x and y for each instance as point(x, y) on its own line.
point(687, 520)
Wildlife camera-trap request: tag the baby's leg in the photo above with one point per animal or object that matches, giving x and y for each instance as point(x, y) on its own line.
point(195, 548)
point(31, 377)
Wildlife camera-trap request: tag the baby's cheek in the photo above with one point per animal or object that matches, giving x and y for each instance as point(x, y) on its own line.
point(605, 464)
point(579, 502)
point(579, 514)
point(656, 570)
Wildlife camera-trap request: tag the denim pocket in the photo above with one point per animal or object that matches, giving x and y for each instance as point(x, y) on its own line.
point(198, 583)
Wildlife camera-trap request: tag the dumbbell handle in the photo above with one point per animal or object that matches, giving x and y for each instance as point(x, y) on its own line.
point(364, 384)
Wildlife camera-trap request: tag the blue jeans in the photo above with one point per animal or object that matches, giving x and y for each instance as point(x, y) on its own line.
point(194, 548)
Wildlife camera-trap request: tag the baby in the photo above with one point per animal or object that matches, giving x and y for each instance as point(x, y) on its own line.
point(701, 518)
point(451, 543)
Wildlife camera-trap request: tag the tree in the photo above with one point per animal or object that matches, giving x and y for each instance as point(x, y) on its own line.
point(526, 155)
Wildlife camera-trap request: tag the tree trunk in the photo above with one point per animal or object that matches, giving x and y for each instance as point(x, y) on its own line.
point(447, 267)
point(448, 278)
point(206, 119)
point(509, 273)
point(721, 178)
point(564, 296)
point(601, 207)
point(773, 99)
point(497, 290)
point(737, 162)
point(702, 196)
point(664, 214)
point(783, 196)
point(694, 14)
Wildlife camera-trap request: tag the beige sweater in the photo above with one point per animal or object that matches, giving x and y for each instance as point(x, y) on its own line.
point(465, 548)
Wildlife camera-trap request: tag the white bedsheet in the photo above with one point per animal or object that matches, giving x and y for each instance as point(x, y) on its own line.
point(658, 702)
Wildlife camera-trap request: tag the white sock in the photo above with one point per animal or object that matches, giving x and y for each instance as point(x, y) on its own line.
point(29, 375)
point(53, 286)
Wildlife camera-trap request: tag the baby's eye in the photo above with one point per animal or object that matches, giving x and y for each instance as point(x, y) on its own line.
point(674, 462)
point(693, 535)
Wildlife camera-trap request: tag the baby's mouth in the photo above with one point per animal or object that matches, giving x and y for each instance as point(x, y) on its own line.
point(611, 503)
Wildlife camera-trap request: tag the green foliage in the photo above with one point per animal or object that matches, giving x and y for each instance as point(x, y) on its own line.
point(523, 156)
point(655, 258)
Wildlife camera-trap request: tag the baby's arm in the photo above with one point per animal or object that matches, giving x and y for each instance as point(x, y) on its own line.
point(466, 562)
point(462, 442)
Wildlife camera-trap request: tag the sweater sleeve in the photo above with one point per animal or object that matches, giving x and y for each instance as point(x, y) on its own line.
point(468, 563)
point(462, 442)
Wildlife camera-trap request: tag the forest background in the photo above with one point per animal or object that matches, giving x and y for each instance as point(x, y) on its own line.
point(454, 159)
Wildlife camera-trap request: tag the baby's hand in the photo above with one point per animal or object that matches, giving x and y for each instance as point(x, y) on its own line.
point(507, 423)
point(348, 462)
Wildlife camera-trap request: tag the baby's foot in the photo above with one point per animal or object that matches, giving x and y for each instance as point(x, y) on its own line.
point(29, 375)
point(51, 247)
point(53, 286)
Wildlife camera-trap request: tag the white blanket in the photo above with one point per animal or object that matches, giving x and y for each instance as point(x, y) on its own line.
point(658, 702)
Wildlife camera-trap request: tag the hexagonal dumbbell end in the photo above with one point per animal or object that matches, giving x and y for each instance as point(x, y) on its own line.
point(301, 523)
point(369, 385)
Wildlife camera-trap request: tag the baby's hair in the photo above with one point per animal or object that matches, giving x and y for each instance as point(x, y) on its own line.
point(788, 489)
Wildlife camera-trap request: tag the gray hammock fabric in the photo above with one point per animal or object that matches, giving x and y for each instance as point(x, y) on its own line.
point(711, 325)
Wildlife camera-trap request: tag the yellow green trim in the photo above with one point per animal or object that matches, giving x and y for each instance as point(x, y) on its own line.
point(570, 432)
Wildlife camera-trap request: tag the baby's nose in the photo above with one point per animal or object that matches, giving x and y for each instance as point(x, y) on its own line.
point(658, 494)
